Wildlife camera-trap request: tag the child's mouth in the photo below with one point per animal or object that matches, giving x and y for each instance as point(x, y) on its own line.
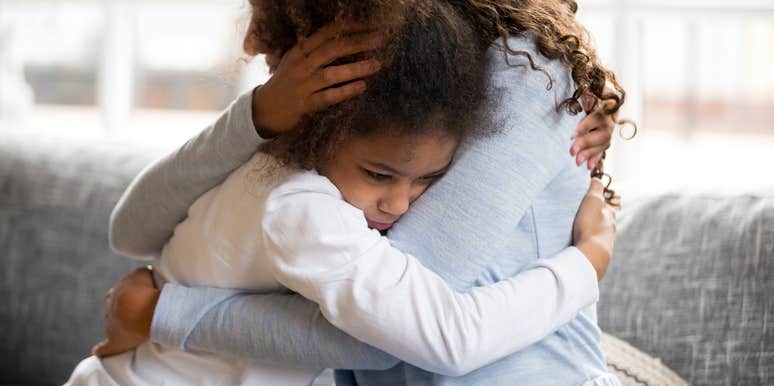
point(379, 225)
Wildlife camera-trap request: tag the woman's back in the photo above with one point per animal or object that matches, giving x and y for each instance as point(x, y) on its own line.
point(530, 156)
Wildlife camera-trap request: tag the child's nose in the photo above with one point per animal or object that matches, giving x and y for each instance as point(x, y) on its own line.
point(396, 203)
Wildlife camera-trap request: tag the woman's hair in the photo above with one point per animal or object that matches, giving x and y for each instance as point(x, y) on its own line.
point(447, 39)
point(433, 77)
point(558, 35)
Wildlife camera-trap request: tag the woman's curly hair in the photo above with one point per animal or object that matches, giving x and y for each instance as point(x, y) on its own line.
point(421, 88)
point(558, 35)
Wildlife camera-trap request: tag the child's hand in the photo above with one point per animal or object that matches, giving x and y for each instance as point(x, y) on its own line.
point(592, 137)
point(302, 84)
point(594, 231)
point(129, 308)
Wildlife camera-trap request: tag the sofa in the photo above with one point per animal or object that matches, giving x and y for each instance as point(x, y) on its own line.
point(690, 288)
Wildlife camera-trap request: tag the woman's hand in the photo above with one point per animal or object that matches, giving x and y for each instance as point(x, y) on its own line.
point(594, 231)
point(129, 308)
point(301, 82)
point(592, 136)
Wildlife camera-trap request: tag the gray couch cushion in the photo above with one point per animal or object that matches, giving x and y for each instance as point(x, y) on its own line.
point(692, 282)
point(55, 200)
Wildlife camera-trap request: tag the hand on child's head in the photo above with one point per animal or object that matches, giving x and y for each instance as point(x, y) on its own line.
point(303, 82)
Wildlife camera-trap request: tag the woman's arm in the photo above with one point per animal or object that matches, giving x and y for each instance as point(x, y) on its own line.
point(159, 197)
point(270, 328)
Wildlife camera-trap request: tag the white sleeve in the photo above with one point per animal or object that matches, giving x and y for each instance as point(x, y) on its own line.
point(320, 246)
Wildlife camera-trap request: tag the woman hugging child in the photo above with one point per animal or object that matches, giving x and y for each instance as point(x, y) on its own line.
point(309, 211)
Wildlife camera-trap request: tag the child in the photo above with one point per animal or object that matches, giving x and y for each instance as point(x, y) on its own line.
point(287, 219)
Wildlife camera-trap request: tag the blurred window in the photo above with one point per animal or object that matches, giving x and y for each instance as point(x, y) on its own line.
point(700, 86)
point(697, 71)
point(709, 75)
point(187, 57)
point(60, 48)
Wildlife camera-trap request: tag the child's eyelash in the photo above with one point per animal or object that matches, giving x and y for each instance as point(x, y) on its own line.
point(433, 177)
point(377, 176)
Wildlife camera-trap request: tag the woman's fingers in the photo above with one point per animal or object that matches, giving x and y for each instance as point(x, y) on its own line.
point(300, 84)
point(99, 348)
point(333, 75)
point(339, 48)
point(587, 124)
point(589, 102)
point(105, 348)
point(331, 96)
point(330, 31)
point(596, 120)
point(592, 139)
point(594, 161)
point(590, 147)
point(589, 153)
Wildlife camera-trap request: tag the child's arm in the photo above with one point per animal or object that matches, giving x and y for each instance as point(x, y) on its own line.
point(321, 248)
point(278, 328)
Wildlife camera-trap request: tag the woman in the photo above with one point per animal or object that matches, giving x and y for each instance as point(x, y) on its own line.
point(522, 211)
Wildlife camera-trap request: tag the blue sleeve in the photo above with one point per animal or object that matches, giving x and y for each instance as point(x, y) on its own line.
point(271, 328)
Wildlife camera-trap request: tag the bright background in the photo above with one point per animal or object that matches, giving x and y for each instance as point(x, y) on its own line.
point(700, 77)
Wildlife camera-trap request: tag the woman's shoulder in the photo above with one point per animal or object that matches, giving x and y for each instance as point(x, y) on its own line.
point(519, 54)
point(527, 88)
point(525, 42)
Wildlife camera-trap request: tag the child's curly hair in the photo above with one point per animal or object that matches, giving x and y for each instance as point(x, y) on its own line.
point(421, 88)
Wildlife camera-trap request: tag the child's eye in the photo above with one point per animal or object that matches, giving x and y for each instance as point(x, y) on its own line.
point(432, 178)
point(377, 176)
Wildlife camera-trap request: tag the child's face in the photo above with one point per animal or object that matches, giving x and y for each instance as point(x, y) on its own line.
point(382, 175)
